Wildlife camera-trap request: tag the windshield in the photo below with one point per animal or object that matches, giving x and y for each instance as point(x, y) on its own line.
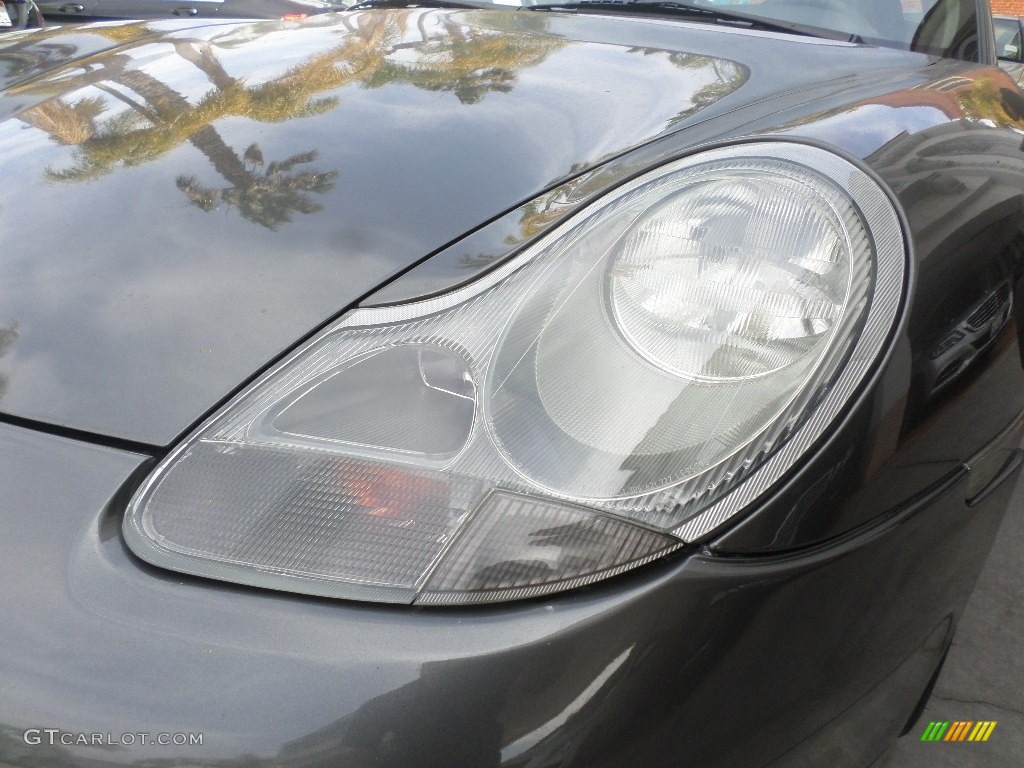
point(938, 27)
point(1008, 40)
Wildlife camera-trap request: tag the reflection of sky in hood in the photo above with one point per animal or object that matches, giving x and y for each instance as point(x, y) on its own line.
point(867, 128)
point(128, 281)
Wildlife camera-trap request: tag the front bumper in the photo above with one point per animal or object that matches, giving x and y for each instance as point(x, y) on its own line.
point(706, 660)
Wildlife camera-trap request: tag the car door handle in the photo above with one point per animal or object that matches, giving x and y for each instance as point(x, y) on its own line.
point(185, 11)
point(71, 8)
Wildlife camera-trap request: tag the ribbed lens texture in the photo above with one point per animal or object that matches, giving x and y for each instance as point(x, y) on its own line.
point(496, 443)
point(732, 279)
point(304, 513)
point(520, 547)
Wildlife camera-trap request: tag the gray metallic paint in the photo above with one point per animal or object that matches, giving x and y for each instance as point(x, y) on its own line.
point(782, 639)
point(105, 643)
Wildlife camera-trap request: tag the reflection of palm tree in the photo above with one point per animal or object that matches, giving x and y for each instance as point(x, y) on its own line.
point(8, 335)
point(721, 76)
point(124, 33)
point(49, 46)
point(67, 123)
point(468, 87)
point(266, 198)
point(468, 63)
point(19, 62)
point(204, 60)
point(479, 261)
point(728, 76)
point(986, 99)
point(543, 211)
point(165, 118)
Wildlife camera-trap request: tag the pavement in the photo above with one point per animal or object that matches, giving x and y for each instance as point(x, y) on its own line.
point(983, 678)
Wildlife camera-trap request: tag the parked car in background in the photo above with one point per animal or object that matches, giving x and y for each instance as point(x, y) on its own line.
point(19, 14)
point(1010, 45)
point(585, 385)
point(95, 10)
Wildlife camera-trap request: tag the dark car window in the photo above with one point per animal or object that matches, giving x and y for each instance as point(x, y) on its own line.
point(1008, 39)
point(938, 27)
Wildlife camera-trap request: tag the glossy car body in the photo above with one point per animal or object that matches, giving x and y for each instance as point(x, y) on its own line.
point(211, 195)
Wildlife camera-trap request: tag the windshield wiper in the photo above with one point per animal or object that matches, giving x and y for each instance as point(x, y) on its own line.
point(652, 7)
point(701, 12)
point(366, 4)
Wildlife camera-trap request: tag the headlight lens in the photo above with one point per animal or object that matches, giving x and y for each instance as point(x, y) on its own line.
point(738, 275)
point(624, 386)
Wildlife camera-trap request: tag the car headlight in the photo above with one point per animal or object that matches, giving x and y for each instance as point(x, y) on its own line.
point(621, 387)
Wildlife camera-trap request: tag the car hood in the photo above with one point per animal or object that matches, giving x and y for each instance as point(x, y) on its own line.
point(182, 205)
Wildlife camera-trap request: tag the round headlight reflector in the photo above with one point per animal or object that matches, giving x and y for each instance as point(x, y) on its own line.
point(738, 275)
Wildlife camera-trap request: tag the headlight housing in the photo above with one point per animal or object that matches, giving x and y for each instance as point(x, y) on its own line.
point(621, 387)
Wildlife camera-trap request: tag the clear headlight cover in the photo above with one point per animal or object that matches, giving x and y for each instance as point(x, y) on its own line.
point(620, 388)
